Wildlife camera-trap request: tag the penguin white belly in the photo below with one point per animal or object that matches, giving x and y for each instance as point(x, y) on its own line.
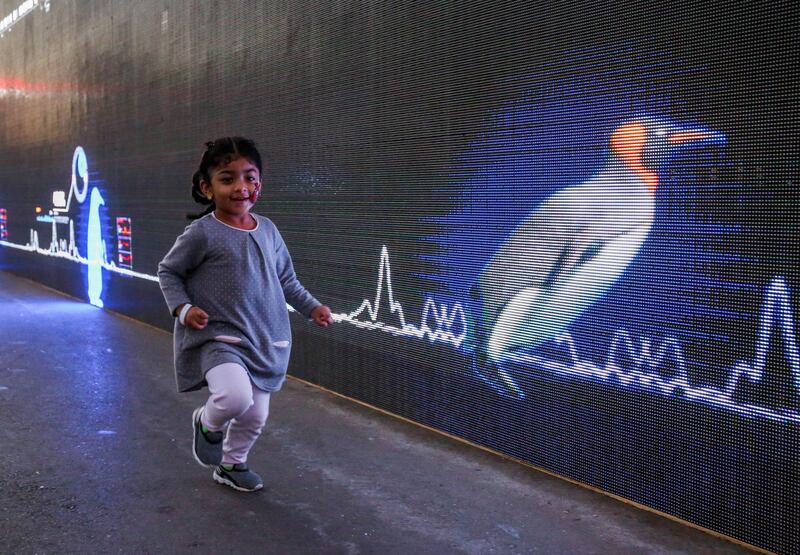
point(537, 314)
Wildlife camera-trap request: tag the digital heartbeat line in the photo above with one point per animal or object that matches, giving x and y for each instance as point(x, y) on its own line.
point(643, 373)
point(436, 323)
point(441, 318)
point(68, 249)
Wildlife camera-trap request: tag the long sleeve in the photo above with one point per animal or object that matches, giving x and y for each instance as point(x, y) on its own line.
point(296, 295)
point(185, 255)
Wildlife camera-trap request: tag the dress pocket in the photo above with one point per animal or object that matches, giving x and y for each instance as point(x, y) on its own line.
point(228, 339)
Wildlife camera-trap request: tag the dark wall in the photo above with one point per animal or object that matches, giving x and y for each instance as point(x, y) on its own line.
point(462, 183)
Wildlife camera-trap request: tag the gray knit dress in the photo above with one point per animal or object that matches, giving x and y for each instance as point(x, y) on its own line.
point(243, 280)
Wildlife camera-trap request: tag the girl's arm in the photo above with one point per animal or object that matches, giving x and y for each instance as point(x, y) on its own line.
point(185, 255)
point(296, 295)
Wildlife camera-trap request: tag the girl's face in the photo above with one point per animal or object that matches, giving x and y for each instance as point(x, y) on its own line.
point(234, 186)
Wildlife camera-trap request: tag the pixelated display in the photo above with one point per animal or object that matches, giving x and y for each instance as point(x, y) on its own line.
point(567, 233)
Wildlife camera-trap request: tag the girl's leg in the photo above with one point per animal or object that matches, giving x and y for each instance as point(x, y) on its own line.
point(245, 428)
point(231, 395)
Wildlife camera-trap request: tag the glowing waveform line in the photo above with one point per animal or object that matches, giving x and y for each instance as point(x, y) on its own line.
point(777, 296)
point(649, 358)
point(68, 249)
point(442, 316)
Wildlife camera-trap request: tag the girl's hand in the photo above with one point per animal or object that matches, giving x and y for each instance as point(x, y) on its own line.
point(322, 316)
point(196, 318)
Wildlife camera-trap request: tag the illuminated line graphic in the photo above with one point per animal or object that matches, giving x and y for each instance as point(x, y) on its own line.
point(80, 168)
point(437, 322)
point(68, 249)
point(96, 258)
point(647, 358)
point(777, 299)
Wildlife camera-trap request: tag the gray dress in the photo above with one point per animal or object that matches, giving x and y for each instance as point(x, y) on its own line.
point(243, 280)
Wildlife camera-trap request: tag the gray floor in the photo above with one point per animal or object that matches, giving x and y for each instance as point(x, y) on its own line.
point(96, 459)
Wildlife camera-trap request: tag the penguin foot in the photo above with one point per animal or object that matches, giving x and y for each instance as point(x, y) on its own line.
point(490, 372)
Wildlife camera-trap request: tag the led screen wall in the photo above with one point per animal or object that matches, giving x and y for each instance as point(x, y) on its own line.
point(565, 232)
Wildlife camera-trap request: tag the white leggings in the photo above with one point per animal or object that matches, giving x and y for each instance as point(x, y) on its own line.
point(235, 399)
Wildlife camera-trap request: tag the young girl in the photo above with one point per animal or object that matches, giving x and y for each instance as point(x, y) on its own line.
point(227, 280)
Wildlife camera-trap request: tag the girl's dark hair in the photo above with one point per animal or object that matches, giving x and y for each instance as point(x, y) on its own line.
point(220, 152)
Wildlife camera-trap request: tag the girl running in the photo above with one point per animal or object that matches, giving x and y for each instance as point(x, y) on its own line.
point(227, 280)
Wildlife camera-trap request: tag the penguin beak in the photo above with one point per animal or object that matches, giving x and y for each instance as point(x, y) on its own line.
point(690, 136)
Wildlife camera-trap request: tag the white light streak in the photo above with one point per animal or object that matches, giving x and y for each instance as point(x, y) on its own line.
point(647, 358)
point(436, 323)
point(68, 249)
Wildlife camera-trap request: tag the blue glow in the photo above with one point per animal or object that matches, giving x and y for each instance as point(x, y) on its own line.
point(553, 133)
point(95, 249)
point(684, 280)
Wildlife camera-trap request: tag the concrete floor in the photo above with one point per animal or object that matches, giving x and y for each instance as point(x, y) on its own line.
point(96, 459)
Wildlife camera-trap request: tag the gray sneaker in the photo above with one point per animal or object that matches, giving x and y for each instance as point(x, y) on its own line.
point(206, 446)
point(240, 477)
